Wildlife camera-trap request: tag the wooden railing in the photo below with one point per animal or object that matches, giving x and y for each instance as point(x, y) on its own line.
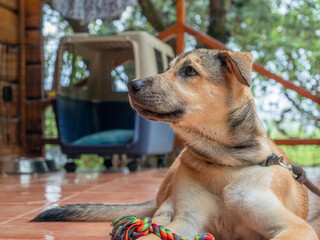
point(180, 28)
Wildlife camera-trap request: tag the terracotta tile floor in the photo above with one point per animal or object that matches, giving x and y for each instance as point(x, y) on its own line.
point(24, 196)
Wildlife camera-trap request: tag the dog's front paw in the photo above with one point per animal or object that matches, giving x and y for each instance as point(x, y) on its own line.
point(149, 237)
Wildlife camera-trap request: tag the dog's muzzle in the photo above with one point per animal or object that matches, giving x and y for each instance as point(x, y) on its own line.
point(152, 103)
point(135, 86)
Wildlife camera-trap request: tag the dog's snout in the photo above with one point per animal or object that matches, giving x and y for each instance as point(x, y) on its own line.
point(135, 86)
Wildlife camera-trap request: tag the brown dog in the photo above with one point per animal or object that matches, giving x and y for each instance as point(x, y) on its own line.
point(216, 184)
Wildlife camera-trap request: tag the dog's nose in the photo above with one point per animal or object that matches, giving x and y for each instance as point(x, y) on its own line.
point(135, 86)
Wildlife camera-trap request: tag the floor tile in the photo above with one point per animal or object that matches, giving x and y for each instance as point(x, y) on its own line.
point(21, 229)
point(111, 198)
point(35, 197)
point(8, 211)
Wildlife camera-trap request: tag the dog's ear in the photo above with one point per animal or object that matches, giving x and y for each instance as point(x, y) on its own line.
point(240, 63)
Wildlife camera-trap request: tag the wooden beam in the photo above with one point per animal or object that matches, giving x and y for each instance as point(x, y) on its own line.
point(33, 47)
point(33, 14)
point(34, 148)
point(9, 109)
point(9, 4)
point(10, 132)
point(34, 81)
point(22, 75)
point(287, 84)
point(34, 57)
point(12, 150)
point(294, 142)
point(204, 38)
point(181, 16)
point(9, 61)
point(33, 36)
point(8, 26)
point(34, 117)
point(168, 33)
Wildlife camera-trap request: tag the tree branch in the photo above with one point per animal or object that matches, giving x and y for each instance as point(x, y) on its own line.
point(153, 15)
point(217, 20)
point(299, 107)
point(278, 122)
point(76, 25)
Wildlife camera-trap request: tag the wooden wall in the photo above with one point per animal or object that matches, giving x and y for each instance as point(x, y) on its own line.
point(33, 90)
point(21, 71)
point(9, 76)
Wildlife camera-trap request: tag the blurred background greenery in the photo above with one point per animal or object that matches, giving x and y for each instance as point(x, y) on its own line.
point(282, 35)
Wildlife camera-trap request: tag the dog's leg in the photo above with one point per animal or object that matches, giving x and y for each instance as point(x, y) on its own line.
point(291, 227)
point(188, 222)
point(190, 204)
point(163, 216)
point(264, 213)
point(191, 201)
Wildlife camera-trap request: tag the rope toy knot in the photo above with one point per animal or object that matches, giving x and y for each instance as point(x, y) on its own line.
point(132, 227)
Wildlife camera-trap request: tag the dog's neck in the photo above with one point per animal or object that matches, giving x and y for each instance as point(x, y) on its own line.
point(242, 141)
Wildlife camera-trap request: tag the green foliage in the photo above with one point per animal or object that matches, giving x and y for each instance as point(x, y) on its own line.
point(89, 161)
point(302, 154)
point(54, 27)
point(50, 127)
point(283, 36)
point(81, 70)
point(122, 74)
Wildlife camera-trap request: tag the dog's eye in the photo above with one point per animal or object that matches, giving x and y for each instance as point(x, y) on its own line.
point(190, 71)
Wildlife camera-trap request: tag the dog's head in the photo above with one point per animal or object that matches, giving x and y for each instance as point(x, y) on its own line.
point(196, 84)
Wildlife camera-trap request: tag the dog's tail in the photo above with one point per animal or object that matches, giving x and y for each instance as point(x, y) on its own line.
point(95, 212)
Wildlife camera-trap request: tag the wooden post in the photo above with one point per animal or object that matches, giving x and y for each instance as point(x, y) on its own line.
point(22, 74)
point(181, 16)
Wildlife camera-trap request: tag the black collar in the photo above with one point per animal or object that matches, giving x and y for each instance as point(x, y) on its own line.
point(272, 159)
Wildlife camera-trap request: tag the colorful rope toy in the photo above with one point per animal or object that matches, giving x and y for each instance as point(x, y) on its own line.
point(132, 227)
